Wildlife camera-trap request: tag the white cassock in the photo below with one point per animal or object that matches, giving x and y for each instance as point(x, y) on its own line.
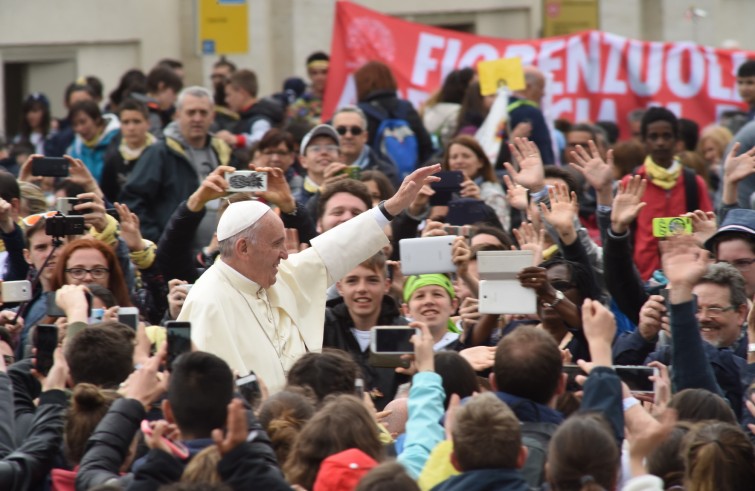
point(268, 330)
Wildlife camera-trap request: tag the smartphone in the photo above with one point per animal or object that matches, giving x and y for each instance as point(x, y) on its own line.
point(467, 211)
point(177, 448)
point(66, 205)
point(462, 230)
point(45, 341)
point(179, 339)
point(637, 377)
point(449, 184)
point(353, 171)
point(61, 225)
point(54, 311)
point(249, 387)
point(392, 340)
point(129, 316)
point(15, 291)
point(669, 226)
point(97, 315)
point(49, 167)
point(246, 181)
point(427, 255)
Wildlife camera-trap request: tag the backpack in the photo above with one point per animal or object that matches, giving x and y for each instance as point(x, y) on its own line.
point(394, 138)
point(536, 436)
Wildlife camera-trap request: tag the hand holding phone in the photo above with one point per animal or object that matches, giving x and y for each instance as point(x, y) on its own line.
point(179, 340)
point(154, 433)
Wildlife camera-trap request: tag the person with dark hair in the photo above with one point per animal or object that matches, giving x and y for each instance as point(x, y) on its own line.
point(35, 122)
point(351, 124)
point(132, 81)
point(256, 115)
point(379, 186)
point(163, 86)
point(340, 202)
point(126, 148)
point(330, 372)
point(94, 132)
point(377, 97)
point(457, 374)
point(465, 154)
point(689, 131)
point(103, 357)
point(440, 114)
point(388, 476)
point(717, 456)
point(11, 234)
point(225, 118)
point(58, 142)
point(308, 107)
point(672, 190)
point(283, 415)
point(278, 149)
point(362, 304)
point(173, 64)
point(746, 86)
point(611, 129)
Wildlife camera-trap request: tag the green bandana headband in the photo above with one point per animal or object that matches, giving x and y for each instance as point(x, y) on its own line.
point(414, 283)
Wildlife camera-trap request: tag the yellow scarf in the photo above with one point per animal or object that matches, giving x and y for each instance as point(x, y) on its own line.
point(661, 177)
point(129, 153)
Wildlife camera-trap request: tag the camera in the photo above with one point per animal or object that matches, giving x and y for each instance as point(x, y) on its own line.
point(60, 225)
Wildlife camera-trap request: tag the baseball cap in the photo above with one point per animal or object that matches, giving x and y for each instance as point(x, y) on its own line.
point(319, 130)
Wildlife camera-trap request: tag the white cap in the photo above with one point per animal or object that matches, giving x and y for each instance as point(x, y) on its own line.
point(319, 130)
point(240, 216)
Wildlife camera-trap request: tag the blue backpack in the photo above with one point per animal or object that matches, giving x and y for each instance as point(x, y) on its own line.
point(394, 138)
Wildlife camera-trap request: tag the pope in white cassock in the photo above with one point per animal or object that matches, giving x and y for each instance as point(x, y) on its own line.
point(259, 308)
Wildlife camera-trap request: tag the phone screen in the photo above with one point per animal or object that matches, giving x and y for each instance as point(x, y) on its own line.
point(249, 387)
point(394, 340)
point(45, 340)
point(131, 319)
point(637, 378)
point(179, 339)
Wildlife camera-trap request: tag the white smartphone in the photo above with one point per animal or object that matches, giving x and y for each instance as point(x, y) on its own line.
point(246, 181)
point(16, 291)
point(129, 316)
point(427, 255)
point(96, 316)
point(392, 340)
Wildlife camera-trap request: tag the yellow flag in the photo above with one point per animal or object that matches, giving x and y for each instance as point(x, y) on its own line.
point(504, 72)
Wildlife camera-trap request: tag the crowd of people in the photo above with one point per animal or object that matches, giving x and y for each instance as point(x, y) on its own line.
point(643, 247)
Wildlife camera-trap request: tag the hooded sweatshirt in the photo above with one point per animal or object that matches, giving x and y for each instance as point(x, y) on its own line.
point(92, 153)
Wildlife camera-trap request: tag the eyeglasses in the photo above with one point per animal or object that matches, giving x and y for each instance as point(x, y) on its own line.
point(354, 130)
point(322, 148)
point(714, 312)
point(562, 286)
point(80, 273)
point(741, 264)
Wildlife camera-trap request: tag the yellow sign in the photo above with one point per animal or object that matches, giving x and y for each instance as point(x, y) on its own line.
point(223, 27)
point(562, 17)
point(499, 73)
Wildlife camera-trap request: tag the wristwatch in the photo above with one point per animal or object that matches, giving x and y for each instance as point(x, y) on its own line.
point(559, 297)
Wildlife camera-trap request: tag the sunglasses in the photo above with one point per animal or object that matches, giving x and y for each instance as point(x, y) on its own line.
point(31, 220)
point(354, 130)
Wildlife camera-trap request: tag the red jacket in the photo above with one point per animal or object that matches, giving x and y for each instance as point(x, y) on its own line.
point(660, 203)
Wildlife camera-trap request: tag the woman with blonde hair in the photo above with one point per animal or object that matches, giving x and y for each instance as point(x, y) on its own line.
point(711, 147)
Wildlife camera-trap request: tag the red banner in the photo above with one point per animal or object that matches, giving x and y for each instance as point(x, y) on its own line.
point(595, 75)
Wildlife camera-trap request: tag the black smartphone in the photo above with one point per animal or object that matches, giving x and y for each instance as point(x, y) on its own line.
point(448, 186)
point(392, 340)
point(179, 339)
point(635, 376)
point(54, 311)
point(49, 167)
point(45, 341)
point(467, 211)
point(66, 205)
point(60, 225)
point(249, 388)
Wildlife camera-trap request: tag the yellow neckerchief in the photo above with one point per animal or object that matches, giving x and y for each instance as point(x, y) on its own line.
point(550, 252)
point(129, 153)
point(94, 141)
point(310, 186)
point(661, 177)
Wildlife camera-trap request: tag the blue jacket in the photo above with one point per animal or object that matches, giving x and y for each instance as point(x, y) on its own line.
point(423, 428)
point(94, 157)
point(485, 480)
